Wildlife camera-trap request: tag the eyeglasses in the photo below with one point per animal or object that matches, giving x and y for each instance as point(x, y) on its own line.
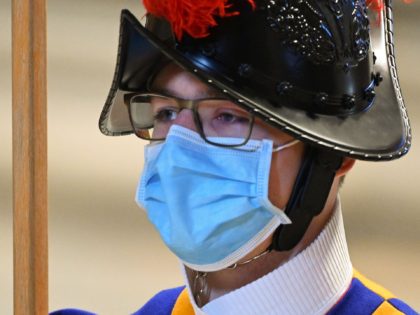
point(216, 119)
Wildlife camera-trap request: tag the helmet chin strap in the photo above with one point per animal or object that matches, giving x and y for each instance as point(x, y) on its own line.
point(310, 192)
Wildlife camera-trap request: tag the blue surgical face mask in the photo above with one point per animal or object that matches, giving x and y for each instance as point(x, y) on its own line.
point(209, 204)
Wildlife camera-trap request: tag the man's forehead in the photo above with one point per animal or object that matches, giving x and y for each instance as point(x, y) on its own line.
point(176, 81)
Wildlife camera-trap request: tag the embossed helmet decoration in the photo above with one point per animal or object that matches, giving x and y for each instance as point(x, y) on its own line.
point(321, 70)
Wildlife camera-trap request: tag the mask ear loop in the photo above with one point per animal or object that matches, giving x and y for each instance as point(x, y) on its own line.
point(284, 146)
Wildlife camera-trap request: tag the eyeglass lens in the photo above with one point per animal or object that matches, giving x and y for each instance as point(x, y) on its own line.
point(153, 115)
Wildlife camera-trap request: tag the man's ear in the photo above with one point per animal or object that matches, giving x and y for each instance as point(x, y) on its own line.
point(345, 167)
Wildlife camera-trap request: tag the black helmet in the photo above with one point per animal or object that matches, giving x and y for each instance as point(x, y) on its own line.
point(309, 67)
point(321, 70)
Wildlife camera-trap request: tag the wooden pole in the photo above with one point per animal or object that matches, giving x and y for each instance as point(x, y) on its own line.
point(30, 245)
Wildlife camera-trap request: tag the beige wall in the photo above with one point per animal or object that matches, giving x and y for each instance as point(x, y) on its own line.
point(104, 256)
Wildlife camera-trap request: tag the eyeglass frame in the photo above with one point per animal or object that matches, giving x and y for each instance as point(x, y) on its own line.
point(191, 105)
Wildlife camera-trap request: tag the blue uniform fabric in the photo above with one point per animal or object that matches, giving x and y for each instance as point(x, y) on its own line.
point(71, 311)
point(162, 303)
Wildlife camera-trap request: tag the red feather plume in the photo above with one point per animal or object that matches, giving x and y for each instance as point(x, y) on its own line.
point(378, 5)
point(194, 17)
point(375, 5)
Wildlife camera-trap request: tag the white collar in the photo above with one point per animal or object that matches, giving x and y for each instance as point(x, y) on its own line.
point(309, 283)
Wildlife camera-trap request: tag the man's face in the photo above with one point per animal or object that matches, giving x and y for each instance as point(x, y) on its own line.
point(285, 164)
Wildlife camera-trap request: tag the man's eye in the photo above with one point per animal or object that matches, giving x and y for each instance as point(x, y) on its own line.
point(166, 115)
point(228, 117)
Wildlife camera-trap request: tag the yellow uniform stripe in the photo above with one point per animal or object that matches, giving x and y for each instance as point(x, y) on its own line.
point(387, 309)
point(183, 305)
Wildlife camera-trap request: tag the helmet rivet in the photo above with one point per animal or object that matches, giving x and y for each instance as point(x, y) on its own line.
point(283, 88)
point(370, 95)
point(208, 50)
point(349, 101)
point(321, 98)
point(346, 67)
point(244, 70)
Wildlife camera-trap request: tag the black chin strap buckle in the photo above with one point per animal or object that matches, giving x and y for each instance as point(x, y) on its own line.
point(310, 192)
